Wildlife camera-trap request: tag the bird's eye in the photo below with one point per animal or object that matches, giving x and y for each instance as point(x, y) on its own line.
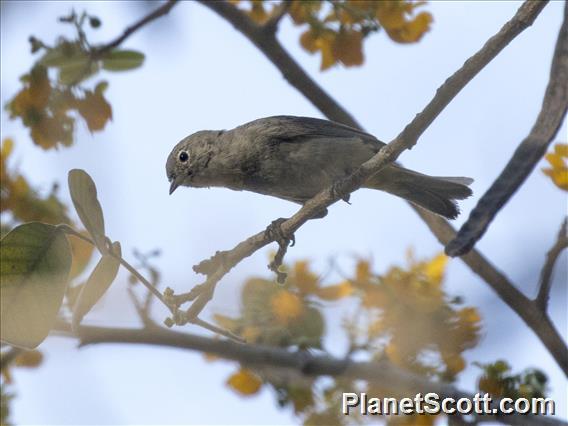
point(183, 156)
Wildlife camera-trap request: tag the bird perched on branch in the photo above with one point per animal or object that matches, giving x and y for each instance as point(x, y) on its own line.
point(294, 158)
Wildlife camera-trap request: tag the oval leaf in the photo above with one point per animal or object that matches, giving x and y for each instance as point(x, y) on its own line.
point(76, 70)
point(98, 283)
point(53, 58)
point(62, 54)
point(82, 252)
point(35, 259)
point(84, 196)
point(123, 60)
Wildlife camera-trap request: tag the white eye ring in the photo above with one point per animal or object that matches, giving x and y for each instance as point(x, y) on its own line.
point(183, 156)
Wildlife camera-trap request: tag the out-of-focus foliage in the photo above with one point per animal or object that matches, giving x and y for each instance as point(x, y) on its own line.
point(35, 266)
point(498, 381)
point(558, 170)
point(51, 97)
point(21, 201)
point(338, 28)
point(97, 284)
point(35, 259)
point(245, 382)
point(285, 315)
point(5, 399)
point(26, 359)
point(403, 316)
point(427, 331)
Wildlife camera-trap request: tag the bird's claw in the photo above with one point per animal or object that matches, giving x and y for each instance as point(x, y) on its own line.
point(274, 231)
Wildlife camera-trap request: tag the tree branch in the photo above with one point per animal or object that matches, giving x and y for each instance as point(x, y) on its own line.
point(527, 155)
point(305, 363)
point(160, 11)
point(546, 273)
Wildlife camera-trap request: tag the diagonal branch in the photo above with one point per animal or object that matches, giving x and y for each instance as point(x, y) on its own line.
point(303, 362)
point(299, 79)
point(160, 11)
point(546, 273)
point(528, 153)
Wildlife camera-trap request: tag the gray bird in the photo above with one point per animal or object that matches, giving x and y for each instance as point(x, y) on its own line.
point(294, 158)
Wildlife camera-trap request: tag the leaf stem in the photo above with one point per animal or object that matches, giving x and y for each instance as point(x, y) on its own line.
point(69, 230)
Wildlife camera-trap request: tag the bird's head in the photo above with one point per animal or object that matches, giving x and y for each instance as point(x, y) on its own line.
point(189, 157)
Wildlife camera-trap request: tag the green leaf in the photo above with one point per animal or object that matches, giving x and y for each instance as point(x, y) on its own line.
point(53, 58)
point(76, 70)
point(60, 55)
point(84, 196)
point(35, 260)
point(123, 60)
point(98, 283)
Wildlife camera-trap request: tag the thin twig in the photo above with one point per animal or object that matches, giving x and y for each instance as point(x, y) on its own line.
point(546, 273)
point(309, 364)
point(143, 280)
point(160, 11)
point(69, 230)
point(526, 156)
point(218, 330)
point(141, 309)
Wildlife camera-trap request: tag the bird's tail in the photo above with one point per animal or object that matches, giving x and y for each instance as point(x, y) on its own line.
point(437, 194)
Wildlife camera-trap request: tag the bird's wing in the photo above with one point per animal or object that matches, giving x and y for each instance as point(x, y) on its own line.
point(291, 129)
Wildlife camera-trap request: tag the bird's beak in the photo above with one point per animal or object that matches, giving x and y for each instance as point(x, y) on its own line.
point(173, 185)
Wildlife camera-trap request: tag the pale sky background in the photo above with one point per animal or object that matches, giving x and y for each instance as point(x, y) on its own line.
point(201, 74)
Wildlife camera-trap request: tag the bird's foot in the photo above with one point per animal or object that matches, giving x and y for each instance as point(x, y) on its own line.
point(274, 231)
point(338, 192)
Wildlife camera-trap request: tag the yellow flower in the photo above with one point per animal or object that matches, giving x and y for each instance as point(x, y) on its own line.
point(245, 382)
point(558, 171)
point(286, 306)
